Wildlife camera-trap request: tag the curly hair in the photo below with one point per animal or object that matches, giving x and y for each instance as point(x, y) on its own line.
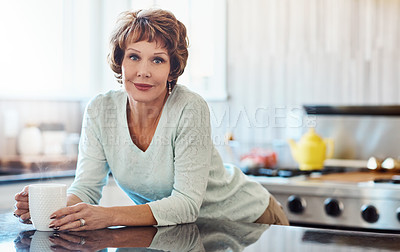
point(151, 25)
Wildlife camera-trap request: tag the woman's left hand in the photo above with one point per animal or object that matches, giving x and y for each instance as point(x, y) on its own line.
point(80, 217)
point(80, 241)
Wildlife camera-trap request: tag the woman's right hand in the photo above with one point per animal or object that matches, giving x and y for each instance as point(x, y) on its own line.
point(22, 206)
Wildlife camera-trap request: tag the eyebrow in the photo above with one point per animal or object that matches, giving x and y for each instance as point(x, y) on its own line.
point(161, 53)
point(133, 49)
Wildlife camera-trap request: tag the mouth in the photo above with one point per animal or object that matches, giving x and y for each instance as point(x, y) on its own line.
point(142, 87)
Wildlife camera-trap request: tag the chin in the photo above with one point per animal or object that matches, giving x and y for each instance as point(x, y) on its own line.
point(140, 96)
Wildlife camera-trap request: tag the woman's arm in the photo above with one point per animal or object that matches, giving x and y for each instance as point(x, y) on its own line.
point(97, 217)
point(193, 149)
point(138, 215)
point(128, 237)
point(73, 199)
point(192, 161)
point(91, 174)
point(92, 167)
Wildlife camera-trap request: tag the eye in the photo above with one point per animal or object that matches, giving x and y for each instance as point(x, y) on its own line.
point(134, 57)
point(158, 60)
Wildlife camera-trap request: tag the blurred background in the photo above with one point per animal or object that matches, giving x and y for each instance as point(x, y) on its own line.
point(256, 62)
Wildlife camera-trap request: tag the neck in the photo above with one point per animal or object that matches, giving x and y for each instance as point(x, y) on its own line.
point(144, 114)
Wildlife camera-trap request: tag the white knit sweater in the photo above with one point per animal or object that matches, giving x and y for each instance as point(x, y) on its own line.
point(181, 175)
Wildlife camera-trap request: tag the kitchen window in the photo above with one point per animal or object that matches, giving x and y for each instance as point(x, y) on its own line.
point(55, 49)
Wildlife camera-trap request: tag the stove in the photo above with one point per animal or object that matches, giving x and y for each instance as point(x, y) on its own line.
point(336, 198)
point(348, 193)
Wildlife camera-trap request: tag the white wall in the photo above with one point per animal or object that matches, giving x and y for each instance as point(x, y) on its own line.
point(285, 53)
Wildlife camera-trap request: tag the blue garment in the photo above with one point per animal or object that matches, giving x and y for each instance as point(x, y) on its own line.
point(181, 175)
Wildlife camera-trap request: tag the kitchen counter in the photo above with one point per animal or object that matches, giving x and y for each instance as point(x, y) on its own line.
point(204, 235)
point(29, 168)
point(32, 176)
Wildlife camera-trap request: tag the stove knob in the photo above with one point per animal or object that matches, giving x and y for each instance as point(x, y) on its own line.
point(398, 213)
point(369, 213)
point(333, 207)
point(296, 204)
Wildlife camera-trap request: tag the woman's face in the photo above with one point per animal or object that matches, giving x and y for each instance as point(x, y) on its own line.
point(145, 71)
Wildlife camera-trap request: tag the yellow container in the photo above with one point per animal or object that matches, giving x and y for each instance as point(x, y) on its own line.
point(311, 151)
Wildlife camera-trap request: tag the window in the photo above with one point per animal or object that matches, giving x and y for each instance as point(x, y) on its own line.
point(58, 48)
point(32, 47)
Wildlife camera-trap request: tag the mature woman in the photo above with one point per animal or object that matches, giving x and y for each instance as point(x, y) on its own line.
point(154, 136)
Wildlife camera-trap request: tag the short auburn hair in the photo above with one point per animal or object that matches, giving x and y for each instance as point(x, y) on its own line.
point(150, 25)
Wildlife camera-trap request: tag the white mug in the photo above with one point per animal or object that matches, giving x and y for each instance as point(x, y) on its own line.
point(40, 242)
point(45, 199)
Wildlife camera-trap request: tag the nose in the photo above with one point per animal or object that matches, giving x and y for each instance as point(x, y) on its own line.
point(143, 70)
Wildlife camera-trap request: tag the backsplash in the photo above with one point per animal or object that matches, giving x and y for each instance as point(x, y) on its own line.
point(290, 53)
point(280, 55)
point(362, 137)
point(283, 54)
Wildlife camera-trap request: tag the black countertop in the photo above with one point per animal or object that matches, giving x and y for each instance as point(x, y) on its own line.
point(30, 168)
point(12, 176)
point(204, 235)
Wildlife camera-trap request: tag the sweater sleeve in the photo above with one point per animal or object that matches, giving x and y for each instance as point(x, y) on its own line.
point(177, 238)
point(92, 168)
point(192, 157)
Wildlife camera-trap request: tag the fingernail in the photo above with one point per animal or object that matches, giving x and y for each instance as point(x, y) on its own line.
point(51, 225)
point(56, 228)
point(16, 215)
point(53, 216)
point(23, 193)
point(56, 234)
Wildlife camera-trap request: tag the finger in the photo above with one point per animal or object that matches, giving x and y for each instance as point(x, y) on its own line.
point(67, 211)
point(79, 229)
point(85, 235)
point(26, 241)
point(21, 246)
point(27, 234)
point(71, 226)
point(28, 221)
point(25, 216)
point(22, 194)
point(66, 215)
point(21, 197)
point(18, 212)
point(59, 248)
point(22, 205)
point(69, 237)
point(64, 222)
point(61, 242)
